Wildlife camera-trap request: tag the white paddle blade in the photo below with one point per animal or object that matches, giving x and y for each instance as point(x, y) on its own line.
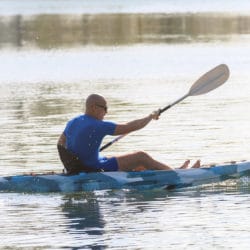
point(211, 80)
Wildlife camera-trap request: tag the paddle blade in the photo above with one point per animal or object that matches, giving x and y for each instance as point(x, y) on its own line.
point(211, 80)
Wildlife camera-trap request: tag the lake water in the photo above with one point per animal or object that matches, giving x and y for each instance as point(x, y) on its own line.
point(141, 55)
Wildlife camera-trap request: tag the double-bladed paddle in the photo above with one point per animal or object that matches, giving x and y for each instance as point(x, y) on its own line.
point(206, 83)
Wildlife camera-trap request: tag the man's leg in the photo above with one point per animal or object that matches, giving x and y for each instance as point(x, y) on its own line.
point(131, 161)
point(141, 161)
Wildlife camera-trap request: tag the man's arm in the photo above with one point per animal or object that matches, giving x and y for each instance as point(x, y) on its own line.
point(136, 124)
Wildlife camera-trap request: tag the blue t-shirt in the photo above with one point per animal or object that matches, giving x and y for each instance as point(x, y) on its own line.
point(84, 135)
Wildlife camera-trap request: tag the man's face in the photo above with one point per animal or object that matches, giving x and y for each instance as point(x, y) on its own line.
point(101, 109)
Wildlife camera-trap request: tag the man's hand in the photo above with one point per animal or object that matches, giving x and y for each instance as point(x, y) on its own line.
point(155, 114)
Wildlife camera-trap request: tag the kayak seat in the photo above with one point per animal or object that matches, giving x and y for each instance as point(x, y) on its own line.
point(71, 162)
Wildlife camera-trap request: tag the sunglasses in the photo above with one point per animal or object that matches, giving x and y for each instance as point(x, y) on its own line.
point(102, 106)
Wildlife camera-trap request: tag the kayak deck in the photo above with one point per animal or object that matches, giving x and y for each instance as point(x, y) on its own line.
point(143, 180)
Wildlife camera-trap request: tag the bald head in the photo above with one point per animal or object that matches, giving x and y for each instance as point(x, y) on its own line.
point(94, 99)
point(94, 105)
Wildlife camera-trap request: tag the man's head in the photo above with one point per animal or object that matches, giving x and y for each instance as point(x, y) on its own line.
point(96, 106)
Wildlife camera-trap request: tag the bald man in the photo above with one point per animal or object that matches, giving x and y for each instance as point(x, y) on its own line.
point(83, 136)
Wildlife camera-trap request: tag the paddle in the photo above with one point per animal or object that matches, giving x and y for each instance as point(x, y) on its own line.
point(206, 83)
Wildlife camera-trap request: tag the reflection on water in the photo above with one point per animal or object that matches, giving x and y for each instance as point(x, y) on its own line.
point(53, 31)
point(142, 217)
point(84, 214)
point(126, 219)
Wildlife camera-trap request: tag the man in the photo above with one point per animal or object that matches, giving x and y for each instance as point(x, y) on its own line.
point(83, 135)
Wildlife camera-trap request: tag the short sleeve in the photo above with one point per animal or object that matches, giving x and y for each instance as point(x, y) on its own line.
point(109, 127)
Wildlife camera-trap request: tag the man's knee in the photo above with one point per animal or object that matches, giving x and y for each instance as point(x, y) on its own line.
point(141, 155)
point(130, 161)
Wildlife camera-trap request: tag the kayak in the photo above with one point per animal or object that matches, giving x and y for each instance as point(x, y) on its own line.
point(144, 180)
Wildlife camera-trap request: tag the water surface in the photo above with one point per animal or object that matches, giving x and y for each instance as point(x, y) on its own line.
point(141, 56)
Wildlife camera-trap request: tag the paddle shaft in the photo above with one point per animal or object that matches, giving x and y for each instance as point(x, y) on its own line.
point(173, 103)
point(111, 142)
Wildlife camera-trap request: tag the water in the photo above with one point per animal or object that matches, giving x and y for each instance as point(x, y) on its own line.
point(198, 219)
point(141, 56)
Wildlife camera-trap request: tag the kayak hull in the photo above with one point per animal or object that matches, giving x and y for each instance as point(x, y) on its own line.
point(143, 180)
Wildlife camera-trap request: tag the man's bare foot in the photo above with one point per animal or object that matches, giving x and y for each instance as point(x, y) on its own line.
point(185, 164)
point(197, 164)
